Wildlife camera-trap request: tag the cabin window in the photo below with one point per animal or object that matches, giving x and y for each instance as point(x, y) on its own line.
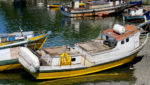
point(122, 42)
point(73, 59)
point(127, 40)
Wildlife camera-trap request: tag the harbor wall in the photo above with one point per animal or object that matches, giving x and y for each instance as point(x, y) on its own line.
point(145, 2)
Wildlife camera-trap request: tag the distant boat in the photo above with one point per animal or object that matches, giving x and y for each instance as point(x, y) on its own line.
point(56, 5)
point(30, 39)
point(136, 2)
point(134, 14)
point(94, 8)
point(10, 52)
point(119, 45)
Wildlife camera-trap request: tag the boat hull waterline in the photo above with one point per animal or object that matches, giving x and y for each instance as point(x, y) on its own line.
point(71, 73)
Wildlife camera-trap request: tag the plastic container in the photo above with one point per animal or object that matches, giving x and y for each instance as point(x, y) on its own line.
point(119, 29)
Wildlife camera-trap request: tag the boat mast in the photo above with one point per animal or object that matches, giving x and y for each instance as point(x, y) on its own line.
point(21, 31)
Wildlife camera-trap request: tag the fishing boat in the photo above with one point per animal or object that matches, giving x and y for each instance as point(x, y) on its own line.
point(135, 13)
point(94, 8)
point(10, 52)
point(117, 46)
point(136, 2)
point(146, 24)
point(55, 5)
point(9, 59)
point(30, 39)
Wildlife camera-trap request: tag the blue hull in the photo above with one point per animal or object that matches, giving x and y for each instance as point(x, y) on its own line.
point(133, 17)
point(147, 14)
point(135, 2)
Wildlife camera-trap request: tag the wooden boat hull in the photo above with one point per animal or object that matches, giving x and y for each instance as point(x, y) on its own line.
point(9, 65)
point(117, 58)
point(54, 6)
point(34, 44)
point(32, 41)
point(95, 12)
point(93, 69)
point(37, 42)
point(85, 14)
point(133, 17)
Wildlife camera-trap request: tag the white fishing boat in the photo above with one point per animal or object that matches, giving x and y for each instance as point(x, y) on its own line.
point(117, 46)
point(135, 13)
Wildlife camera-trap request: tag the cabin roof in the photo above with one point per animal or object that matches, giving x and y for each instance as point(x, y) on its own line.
point(130, 30)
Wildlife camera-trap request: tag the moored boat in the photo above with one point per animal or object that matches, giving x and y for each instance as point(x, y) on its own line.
point(136, 2)
point(30, 39)
point(95, 8)
point(9, 53)
point(135, 13)
point(55, 5)
point(117, 46)
point(9, 59)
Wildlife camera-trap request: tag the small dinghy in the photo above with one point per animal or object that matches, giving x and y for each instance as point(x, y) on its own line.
point(117, 46)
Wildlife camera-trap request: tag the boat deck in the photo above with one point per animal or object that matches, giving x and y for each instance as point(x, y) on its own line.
point(57, 51)
point(93, 46)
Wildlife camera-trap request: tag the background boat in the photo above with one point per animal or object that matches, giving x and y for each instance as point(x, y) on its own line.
point(30, 39)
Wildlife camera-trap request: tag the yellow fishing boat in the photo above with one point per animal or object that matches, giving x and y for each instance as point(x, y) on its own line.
point(9, 56)
point(117, 46)
point(54, 5)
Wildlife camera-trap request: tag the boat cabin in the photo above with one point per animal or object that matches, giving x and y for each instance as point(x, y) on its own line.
point(120, 36)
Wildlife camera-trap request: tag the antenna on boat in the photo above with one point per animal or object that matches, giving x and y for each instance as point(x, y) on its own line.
point(21, 31)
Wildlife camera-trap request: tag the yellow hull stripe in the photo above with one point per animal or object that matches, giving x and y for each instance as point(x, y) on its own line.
point(37, 37)
point(42, 43)
point(52, 75)
point(89, 78)
point(10, 67)
point(55, 6)
point(1, 44)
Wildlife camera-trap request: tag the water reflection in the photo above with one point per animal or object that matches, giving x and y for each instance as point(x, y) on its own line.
point(103, 23)
point(122, 76)
point(115, 76)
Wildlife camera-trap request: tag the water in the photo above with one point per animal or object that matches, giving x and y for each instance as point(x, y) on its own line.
point(67, 31)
